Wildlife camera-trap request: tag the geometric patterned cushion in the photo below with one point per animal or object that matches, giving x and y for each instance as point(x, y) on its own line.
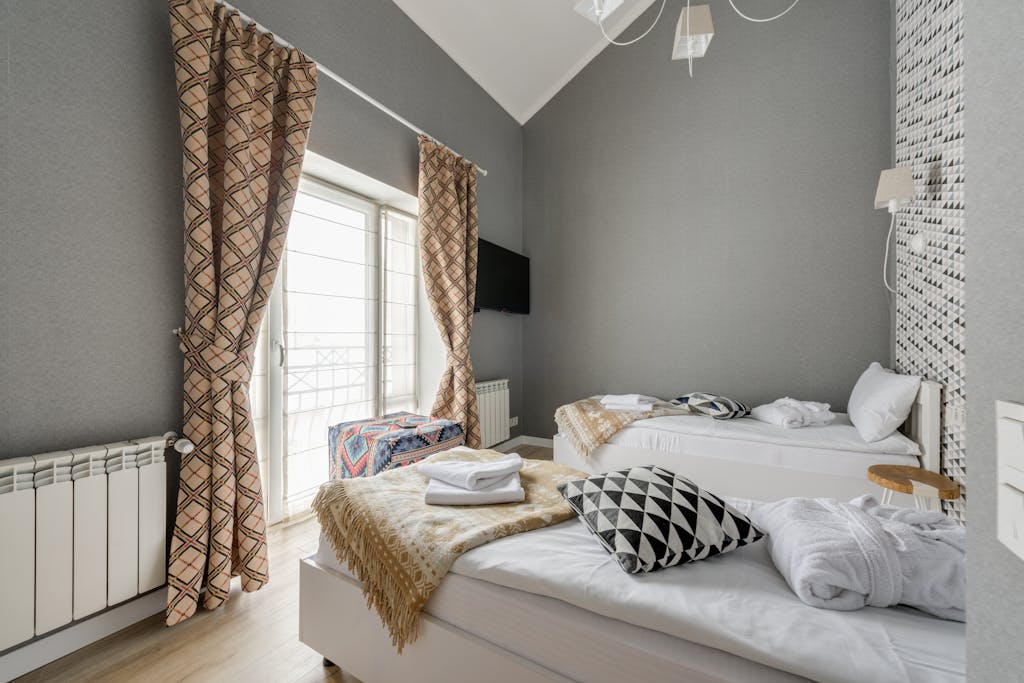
point(718, 407)
point(363, 448)
point(649, 518)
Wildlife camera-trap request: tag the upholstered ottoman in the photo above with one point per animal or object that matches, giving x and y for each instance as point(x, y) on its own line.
point(367, 447)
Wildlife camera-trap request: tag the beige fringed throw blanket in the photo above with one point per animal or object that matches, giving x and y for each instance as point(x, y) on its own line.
point(588, 424)
point(400, 548)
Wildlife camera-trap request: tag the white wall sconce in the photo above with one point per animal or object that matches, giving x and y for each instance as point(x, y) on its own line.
point(895, 189)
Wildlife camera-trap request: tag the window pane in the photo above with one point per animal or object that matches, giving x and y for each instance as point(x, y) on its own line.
point(401, 288)
point(331, 304)
point(401, 257)
point(401, 319)
point(334, 211)
point(399, 352)
point(314, 313)
point(320, 275)
point(312, 235)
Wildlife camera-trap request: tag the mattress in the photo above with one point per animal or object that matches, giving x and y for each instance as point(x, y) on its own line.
point(570, 641)
point(832, 449)
point(556, 597)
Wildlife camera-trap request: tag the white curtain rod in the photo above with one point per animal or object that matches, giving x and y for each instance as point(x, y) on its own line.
point(344, 83)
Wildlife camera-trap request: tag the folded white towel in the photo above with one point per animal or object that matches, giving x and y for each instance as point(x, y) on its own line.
point(471, 474)
point(627, 406)
point(505, 490)
point(791, 413)
point(626, 399)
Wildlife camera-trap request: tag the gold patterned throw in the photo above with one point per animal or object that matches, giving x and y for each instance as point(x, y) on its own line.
point(588, 424)
point(400, 548)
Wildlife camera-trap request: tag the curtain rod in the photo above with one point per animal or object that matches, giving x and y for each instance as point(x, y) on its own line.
point(344, 83)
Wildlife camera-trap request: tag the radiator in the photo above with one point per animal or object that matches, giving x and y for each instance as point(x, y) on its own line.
point(81, 530)
point(492, 407)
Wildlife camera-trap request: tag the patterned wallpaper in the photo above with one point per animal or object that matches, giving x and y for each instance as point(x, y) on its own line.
point(929, 137)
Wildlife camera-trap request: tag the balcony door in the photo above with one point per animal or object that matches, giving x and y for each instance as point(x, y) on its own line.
point(339, 339)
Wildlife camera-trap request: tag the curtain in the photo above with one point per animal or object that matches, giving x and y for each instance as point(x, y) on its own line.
point(448, 245)
point(245, 107)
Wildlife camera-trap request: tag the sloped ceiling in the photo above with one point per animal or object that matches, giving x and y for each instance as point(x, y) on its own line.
point(522, 52)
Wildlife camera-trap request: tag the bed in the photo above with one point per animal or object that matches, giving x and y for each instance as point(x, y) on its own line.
point(745, 458)
point(551, 605)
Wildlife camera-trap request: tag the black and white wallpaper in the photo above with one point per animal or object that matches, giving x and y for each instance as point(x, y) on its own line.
point(929, 138)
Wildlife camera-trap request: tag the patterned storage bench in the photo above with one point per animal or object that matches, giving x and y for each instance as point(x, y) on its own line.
point(367, 447)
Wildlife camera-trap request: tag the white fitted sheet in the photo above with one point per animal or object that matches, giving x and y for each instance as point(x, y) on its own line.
point(573, 610)
point(570, 641)
point(831, 449)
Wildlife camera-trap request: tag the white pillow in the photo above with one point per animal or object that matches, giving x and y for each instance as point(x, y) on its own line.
point(881, 402)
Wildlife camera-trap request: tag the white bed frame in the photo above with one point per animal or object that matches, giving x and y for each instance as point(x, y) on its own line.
point(768, 482)
point(335, 621)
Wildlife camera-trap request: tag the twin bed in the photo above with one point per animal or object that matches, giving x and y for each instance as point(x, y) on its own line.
point(551, 605)
point(744, 458)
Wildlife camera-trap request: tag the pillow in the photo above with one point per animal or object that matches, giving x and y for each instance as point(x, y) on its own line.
point(718, 407)
point(881, 401)
point(650, 518)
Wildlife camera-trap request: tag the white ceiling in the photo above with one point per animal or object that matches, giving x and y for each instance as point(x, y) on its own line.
point(522, 52)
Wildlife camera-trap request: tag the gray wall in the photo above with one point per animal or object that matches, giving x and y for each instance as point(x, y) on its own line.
point(717, 233)
point(91, 280)
point(994, 165)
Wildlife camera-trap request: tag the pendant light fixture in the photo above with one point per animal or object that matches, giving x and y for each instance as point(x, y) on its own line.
point(694, 29)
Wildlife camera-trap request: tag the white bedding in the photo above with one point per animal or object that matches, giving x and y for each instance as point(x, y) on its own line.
point(836, 448)
point(737, 603)
point(579, 645)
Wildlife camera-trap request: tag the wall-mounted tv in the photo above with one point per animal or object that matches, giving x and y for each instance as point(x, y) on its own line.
point(502, 279)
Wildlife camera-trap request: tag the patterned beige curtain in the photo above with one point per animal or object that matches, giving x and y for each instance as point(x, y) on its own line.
point(245, 107)
point(448, 243)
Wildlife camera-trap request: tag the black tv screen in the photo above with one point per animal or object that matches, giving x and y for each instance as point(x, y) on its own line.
point(502, 279)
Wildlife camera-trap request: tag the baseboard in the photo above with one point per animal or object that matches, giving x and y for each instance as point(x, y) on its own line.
point(517, 441)
point(42, 651)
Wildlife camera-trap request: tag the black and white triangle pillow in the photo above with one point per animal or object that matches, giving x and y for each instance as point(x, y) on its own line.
point(650, 518)
point(718, 407)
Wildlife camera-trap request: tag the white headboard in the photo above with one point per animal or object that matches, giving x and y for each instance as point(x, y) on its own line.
point(923, 425)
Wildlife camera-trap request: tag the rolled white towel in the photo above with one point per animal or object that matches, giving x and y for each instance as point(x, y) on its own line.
point(505, 490)
point(628, 406)
point(791, 413)
point(626, 400)
point(472, 475)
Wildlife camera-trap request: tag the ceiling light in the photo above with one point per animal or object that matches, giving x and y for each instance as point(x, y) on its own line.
point(597, 10)
point(694, 31)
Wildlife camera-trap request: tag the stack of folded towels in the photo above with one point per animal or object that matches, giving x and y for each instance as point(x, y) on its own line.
point(791, 413)
point(458, 482)
point(627, 402)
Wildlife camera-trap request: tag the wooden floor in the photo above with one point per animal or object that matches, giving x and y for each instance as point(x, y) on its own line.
point(536, 452)
point(253, 638)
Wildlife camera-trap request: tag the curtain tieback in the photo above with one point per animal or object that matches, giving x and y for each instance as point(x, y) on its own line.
point(215, 360)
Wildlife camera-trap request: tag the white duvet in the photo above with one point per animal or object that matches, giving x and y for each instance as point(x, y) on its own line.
point(840, 435)
point(737, 603)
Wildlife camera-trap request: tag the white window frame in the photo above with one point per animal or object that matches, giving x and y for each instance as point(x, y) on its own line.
point(276, 348)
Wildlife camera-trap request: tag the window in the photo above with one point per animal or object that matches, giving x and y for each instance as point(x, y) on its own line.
point(339, 338)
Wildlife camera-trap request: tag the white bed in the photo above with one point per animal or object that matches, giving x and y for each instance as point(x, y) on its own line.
point(551, 605)
point(745, 458)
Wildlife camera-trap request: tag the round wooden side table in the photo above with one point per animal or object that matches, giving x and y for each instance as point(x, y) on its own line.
point(921, 483)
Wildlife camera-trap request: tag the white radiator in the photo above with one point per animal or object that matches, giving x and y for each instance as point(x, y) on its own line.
point(81, 530)
point(492, 407)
